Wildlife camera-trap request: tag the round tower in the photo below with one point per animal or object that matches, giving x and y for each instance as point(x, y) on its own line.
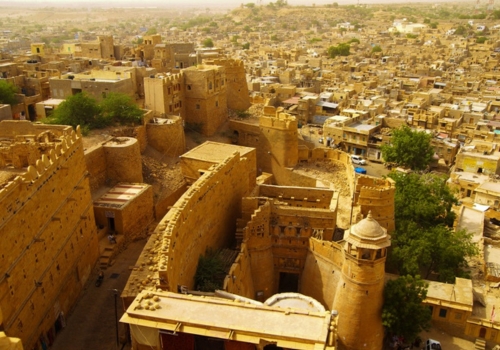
point(123, 159)
point(359, 295)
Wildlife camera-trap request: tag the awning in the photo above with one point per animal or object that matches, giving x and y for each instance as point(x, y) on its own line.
point(327, 104)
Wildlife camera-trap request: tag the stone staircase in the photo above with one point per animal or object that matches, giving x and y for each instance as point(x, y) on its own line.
point(480, 344)
point(109, 250)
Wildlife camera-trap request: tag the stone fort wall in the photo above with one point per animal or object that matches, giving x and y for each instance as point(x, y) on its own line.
point(323, 271)
point(215, 201)
point(47, 232)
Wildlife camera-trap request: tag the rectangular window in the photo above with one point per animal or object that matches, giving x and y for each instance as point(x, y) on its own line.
point(197, 106)
point(442, 313)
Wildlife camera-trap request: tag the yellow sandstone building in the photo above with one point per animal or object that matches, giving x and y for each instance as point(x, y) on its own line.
point(294, 282)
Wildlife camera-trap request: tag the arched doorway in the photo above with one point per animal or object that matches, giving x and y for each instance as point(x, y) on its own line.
point(272, 347)
point(482, 332)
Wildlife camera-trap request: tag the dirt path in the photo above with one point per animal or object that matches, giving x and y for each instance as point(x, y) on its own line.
point(334, 173)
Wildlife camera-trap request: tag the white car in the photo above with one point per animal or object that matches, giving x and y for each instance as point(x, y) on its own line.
point(358, 159)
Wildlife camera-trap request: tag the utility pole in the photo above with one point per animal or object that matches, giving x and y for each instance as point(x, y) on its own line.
point(115, 292)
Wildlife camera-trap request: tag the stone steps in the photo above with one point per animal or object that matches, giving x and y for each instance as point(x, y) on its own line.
point(480, 344)
point(109, 250)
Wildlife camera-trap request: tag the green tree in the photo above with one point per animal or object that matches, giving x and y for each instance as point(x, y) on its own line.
point(274, 37)
point(245, 46)
point(424, 241)
point(461, 30)
point(210, 272)
point(82, 109)
point(403, 313)
point(481, 39)
point(341, 49)
point(120, 108)
point(376, 49)
point(425, 199)
point(151, 31)
point(435, 250)
point(353, 40)
point(409, 148)
point(7, 93)
point(208, 43)
point(79, 109)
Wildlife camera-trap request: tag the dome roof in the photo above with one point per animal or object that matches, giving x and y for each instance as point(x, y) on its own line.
point(368, 233)
point(368, 228)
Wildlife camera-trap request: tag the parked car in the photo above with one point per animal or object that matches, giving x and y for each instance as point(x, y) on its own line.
point(359, 170)
point(432, 344)
point(358, 159)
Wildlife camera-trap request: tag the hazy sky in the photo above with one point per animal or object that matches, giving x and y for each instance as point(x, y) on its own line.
point(164, 3)
point(200, 4)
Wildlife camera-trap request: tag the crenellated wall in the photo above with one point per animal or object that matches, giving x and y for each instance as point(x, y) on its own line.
point(258, 241)
point(48, 239)
point(164, 95)
point(278, 144)
point(376, 195)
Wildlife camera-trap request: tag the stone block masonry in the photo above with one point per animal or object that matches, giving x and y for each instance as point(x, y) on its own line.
point(47, 231)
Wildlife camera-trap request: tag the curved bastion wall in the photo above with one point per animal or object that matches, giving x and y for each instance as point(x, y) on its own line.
point(123, 159)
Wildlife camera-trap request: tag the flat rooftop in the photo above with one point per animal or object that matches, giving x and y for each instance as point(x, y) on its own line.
point(489, 186)
point(216, 152)
point(458, 295)
point(120, 195)
point(228, 319)
point(472, 220)
point(365, 127)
